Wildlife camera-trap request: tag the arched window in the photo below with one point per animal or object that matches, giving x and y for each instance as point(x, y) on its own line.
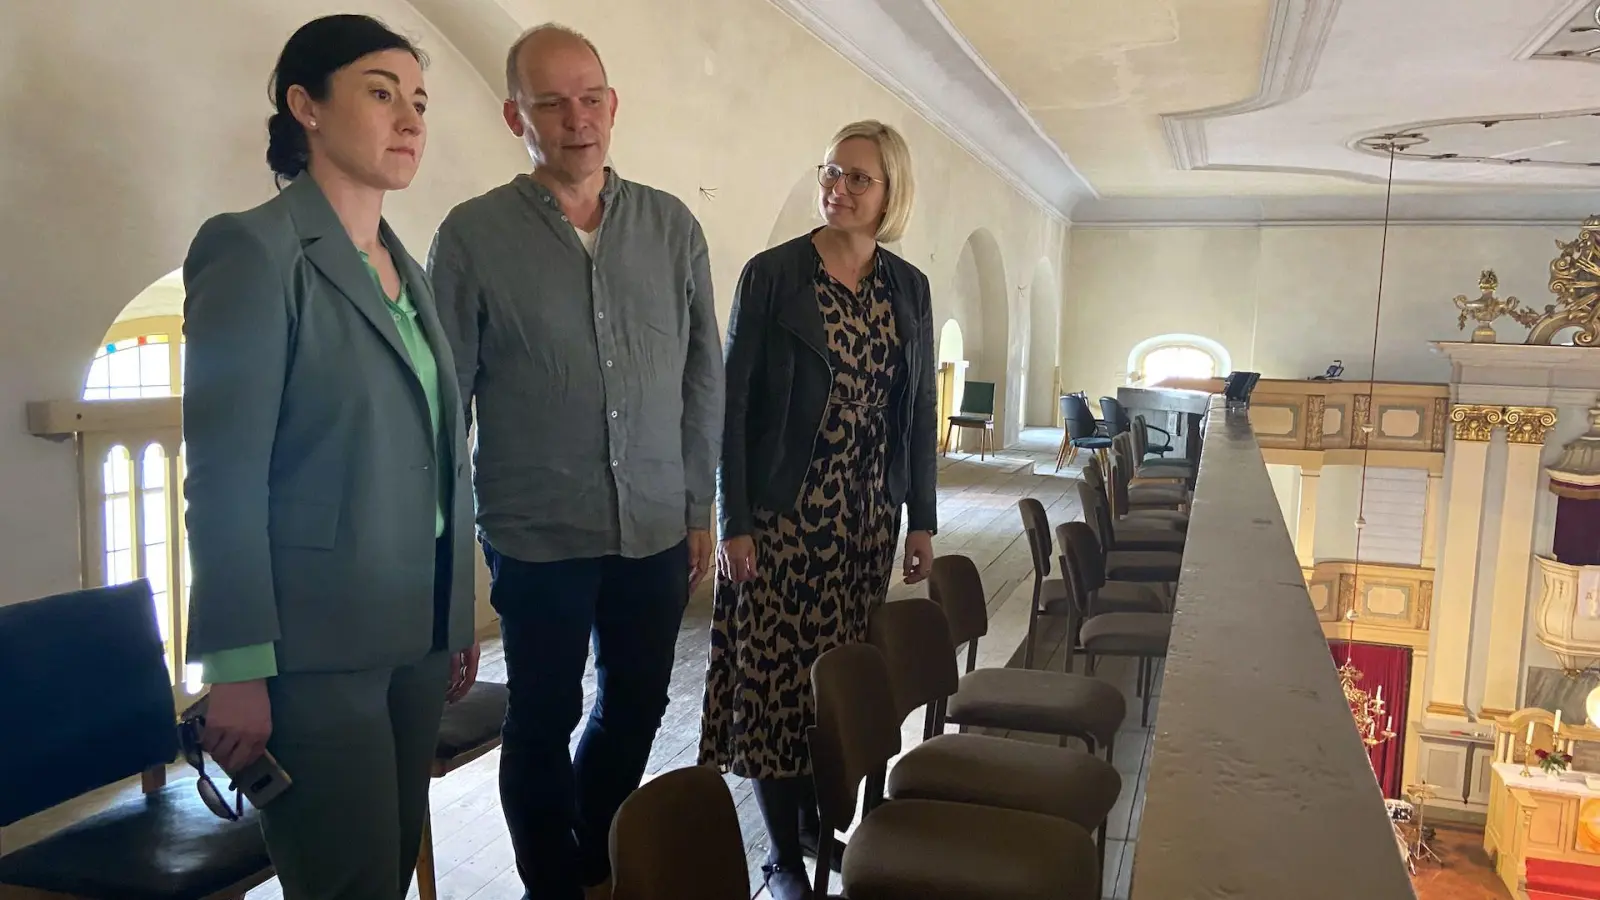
point(1177, 356)
point(132, 481)
point(138, 358)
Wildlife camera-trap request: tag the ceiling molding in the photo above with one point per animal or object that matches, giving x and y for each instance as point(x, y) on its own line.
point(917, 55)
point(1428, 141)
point(1563, 208)
point(1554, 39)
point(1559, 18)
point(1297, 31)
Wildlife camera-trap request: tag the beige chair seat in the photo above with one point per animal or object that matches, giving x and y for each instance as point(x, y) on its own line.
point(1143, 565)
point(1156, 496)
point(1129, 634)
point(1154, 537)
point(1153, 518)
point(1053, 597)
point(1008, 774)
point(1131, 596)
point(1042, 702)
point(933, 850)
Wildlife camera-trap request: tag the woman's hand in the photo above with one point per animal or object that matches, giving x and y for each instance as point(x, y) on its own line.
point(463, 673)
point(238, 723)
point(736, 559)
point(919, 556)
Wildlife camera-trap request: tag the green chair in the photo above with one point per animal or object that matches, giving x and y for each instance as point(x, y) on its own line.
point(977, 411)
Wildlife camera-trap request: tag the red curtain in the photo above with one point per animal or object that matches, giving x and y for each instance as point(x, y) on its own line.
point(1389, 668)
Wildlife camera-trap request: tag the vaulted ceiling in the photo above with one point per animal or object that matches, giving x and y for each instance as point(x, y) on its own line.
point(1252, 110)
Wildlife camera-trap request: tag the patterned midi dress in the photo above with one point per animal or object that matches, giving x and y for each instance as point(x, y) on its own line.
point(822, 567)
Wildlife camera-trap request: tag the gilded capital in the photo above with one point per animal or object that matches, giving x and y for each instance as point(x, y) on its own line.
point(1529, 424)
point(1476, 423)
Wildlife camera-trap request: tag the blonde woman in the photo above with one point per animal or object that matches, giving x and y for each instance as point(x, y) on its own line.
point(829, 431)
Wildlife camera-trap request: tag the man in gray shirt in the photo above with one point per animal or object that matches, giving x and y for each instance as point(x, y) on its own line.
point(579, 308)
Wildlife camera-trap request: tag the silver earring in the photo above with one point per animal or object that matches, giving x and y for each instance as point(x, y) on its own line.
point(313, 123)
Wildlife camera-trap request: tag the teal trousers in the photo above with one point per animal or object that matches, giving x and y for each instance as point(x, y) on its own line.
point(359, 748)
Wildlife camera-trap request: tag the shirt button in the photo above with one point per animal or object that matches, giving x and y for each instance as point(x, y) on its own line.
point(599, 315)
point(613, 414)
point(608, 363)
point(564, 219)
point(614, 464)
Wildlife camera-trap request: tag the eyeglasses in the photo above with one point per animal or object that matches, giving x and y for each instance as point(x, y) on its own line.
point(212, 796)
point(857, 183)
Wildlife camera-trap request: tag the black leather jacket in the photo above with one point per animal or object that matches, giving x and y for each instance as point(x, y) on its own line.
point(779, 375)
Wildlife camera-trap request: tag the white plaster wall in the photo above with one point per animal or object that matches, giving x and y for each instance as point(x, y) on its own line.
point(1287, 300)
point(128, 124)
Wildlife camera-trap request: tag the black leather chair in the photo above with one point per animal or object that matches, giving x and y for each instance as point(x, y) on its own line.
point(1082, 431)
point(86, 702)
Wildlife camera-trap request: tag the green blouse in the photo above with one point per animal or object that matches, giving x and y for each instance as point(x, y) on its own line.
point(260, 660)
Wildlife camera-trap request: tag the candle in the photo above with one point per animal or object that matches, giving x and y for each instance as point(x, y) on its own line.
point(1530, 734)
point(1380, 693)
point(1390, 726)
point(1558, 723)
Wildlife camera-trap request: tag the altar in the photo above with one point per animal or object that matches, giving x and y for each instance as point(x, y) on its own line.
point(1550, 821)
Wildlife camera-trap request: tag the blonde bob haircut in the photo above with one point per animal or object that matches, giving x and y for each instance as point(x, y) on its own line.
point(896, 159)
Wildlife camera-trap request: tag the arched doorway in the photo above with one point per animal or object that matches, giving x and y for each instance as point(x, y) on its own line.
point(1039, 375)
point(982, 305)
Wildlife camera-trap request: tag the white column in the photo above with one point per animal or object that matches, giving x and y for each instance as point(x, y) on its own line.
point(1305, 539)
point(1526, 427)
point(1457, 577)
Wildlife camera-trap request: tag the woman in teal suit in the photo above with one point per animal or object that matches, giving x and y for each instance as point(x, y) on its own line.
point(330, 515)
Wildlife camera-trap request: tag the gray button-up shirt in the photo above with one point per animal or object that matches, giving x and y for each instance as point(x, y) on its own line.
point(598, 383)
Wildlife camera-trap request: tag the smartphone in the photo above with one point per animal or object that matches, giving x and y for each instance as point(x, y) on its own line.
point(262, 781)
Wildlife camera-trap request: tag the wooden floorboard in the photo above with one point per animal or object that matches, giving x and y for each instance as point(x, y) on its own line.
point(978, 518)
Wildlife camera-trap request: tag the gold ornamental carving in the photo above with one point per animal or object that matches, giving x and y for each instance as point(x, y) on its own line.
point(1316, 406)
point(1441, 413)
point(1528, 424)
point(1487, 307)
point(1361, 420)
point(1575, 280)
point(1476, 423)
point(1424, 604)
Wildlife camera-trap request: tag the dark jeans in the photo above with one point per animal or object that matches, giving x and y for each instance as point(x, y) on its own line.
point(559, 807)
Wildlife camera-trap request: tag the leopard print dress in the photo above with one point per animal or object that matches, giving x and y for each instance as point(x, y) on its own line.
point(822, 567)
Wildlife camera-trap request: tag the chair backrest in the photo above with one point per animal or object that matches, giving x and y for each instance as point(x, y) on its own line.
point(1096, 514)
point(857, 731)
point(1118, 477)
point(914, 639)
point(1036, 525)
point(1095, 477)
point(1080, 546)
point(85, 696)
point(678, 836)
point(1079, 418)
point(1072, 568)
point(957, 587)
point(977, 398)
point(1116, 415)
point(1141, 437)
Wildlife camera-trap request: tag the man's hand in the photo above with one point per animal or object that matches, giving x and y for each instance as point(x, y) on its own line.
point(238, 723)
point(699, 556)
point(463, 673)
point(919, 556)
point(736, 558)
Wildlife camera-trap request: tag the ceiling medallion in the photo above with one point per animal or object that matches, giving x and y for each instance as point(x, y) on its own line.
point(1563, 140)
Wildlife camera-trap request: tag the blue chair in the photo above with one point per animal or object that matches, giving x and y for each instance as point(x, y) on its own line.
point(977, 411)
point(1083, 432)
point(84, 693)
point(1118, 422)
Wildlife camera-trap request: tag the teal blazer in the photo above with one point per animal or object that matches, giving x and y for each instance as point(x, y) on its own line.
point(313, 468)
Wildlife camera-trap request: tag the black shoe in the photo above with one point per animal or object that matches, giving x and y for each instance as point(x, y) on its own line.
point(785, 883)
point(808, 845)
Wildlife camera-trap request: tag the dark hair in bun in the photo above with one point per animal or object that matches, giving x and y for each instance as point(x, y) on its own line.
point(313, 53)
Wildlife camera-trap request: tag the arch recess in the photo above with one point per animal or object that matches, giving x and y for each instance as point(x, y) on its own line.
point(1222, 361)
